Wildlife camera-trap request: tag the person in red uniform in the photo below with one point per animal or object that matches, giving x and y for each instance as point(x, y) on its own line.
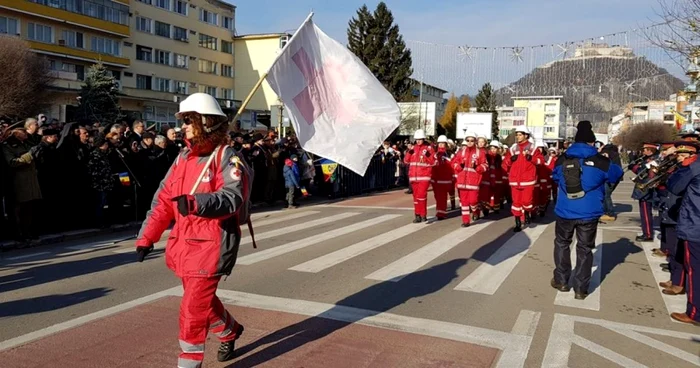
point(495, 172)
point(469, 164)
point(451, 148)
point(204, 192)
point(520, 163)
point(551, 161)
point(442, 179)
point(486, 185)
point(420, 160)
point(544, 178)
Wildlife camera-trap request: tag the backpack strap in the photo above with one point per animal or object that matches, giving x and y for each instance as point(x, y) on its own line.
point(204, 170)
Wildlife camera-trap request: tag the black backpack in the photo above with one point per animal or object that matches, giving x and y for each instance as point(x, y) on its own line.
point(571, 170)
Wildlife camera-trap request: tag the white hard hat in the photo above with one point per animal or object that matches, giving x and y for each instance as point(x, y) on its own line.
point(442, 139)
point(419, 134)
point(470, 134)
point(495, 143)
point(201, 103)
point(553, 149)
point(450, 142)
point(522, 129)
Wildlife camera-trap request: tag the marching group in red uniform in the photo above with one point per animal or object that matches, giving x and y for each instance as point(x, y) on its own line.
point(483, 174)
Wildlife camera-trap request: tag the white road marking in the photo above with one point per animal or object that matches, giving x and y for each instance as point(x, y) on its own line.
point(342, 255)
point(490, 275)
point(419, 258)
point(291, 216)
point(299, 227)
point(526, 324)
point(303, 243)
point(21, 340)
point(592, 301)
point(369, 207)
point(25, 256)
point(558, 348)
point(674, 303)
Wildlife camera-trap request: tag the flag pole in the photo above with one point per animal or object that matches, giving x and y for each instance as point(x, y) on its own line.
point(264, 75)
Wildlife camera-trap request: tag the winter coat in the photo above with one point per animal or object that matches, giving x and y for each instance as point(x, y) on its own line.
point(685, 182)
point(291, 176)
point(22, 170)
point(522, 172)
point(596, 170)
point(420, 163)
point(443, 174)
point(646, 194)
point(544, 172)
point(100, 171)
point(469, 164)
point(204, 243)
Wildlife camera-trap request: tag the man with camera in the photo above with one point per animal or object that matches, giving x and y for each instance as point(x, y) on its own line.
point(580, 175)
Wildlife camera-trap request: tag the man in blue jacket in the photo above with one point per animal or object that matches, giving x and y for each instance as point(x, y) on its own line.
point(580, 174)
point(685, 181)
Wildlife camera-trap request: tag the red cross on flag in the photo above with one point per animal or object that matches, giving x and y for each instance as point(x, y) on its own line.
point(339, 110)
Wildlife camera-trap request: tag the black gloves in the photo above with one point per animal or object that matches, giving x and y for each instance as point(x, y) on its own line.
point(142, 252)
point(427, 154)
point(185, 204)
point(461, 165)
point(528, 157)
point(35, 151)
point(473, 165)
point(410, 152)
point(513, 158)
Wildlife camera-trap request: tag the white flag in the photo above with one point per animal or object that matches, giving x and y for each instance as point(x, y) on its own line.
point(339, 110)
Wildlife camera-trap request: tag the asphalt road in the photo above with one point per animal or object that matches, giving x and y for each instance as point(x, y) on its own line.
point(489, 284)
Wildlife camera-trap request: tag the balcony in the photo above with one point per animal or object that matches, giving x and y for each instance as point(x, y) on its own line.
point(53, 49)
point(58, 10)
point(59, 74)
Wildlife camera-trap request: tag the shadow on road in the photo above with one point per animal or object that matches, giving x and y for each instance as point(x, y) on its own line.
point(377, 298)
point(42, 274)
point(49, 302)
point(615, 254)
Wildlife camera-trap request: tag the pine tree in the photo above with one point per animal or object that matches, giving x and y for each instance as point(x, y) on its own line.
point(448, 120)
point(486, 102)
point(98, 97)
point(376, 41)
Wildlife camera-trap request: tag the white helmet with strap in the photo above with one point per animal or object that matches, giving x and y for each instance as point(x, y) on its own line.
point(202, 104)
point(522, 129)
point(442, 139)
point(419, 134)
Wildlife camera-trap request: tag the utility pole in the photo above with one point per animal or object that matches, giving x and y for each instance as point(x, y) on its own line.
point(280, 118)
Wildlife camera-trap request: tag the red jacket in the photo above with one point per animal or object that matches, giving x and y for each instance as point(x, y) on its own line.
point(442, 171)
point(522, 173)
point(205, 242)
point(544, 171)
point(474, 161)
point(495, 173)
point(420, 163)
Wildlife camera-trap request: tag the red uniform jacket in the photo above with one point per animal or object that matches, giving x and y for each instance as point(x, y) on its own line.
point(522, 173)
point(544, 171)
point(496, 173)
point(204, 243)
point(442, 171)
point(469, 164)
point(420, 163)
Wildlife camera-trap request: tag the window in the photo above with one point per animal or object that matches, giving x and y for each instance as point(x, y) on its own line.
point(39, 32)
point(70, 68)
point(110, 11)
point(206, 66)
point(105, 46)
point(179, 33)
point(73, 39)
point(144, 53)
point(549, 129)
point(144, 24)
point(550, 108)
point(181, 87)
point(207, 41)
point(227, 22)
point(227, 93)
point(180, 7)
point(226, 71)
point(180, 61)
point(208, 17)
point(227, 47)
point(145, 1)
point(284, 40)
point(163, 29)
point(162, 85)
point(165, 4)
point(550, 119)
point(518, 122)
point(143, 81)
point(9, 26)
point(162, 57)
point(210, 91)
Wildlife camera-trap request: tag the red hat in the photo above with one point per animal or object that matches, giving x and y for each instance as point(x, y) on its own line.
point(653, 146)
point(667, 145)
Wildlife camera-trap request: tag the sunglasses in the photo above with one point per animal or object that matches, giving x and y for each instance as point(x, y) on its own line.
point(470, 140)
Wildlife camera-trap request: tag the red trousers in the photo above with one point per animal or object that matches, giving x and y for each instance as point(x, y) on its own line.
point(420, 197)
point(485, 191)
point(440, 192)
point(469, 200)
point(201, 311)
point(544, 195)
point(522, 200)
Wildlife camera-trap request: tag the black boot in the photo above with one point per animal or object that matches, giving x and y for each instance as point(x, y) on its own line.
point(486, 212)
point(465, 224)
point(226, 349)
point(518, 226)
point(642, 238)
point(527, 218)
point(418, 219)
point(452, 204)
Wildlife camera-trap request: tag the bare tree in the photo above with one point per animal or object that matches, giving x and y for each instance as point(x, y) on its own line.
point(24, 79)
point(679, 32)
point(648, 132)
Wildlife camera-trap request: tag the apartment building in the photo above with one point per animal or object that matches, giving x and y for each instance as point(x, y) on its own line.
point(509, 118)
point(546, 116)
point(72, 34)
point(177, 47)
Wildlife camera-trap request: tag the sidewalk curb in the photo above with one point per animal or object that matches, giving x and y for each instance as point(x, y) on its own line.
point(69, 235)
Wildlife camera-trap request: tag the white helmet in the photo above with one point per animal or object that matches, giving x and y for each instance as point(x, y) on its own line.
point(522, 129)
point(450, 142)
point(470, 134)
point(442, 139)
point(495, 143)
point(201, 103)
point(419, 134)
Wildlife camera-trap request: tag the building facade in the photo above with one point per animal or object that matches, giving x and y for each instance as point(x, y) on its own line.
point(158, 50)
point(509, 118)
point(546, 116)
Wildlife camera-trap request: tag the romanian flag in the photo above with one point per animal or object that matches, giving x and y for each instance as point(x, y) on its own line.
point(328, 167)
point(124, 179)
